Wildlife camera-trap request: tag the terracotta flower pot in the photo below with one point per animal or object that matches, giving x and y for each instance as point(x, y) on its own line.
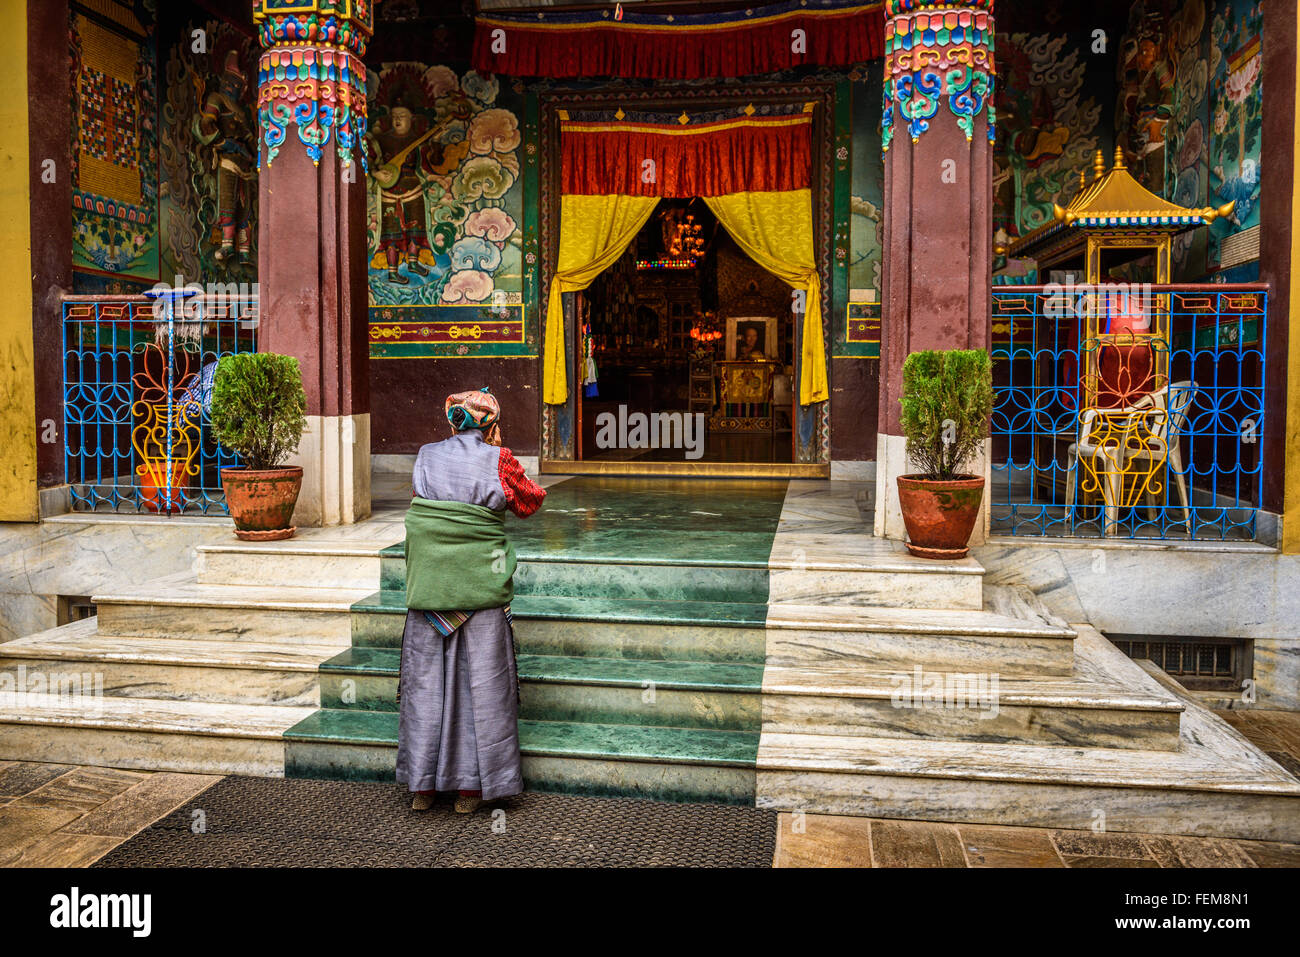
point(940, 514)
point(261, 502)
point(155, 488)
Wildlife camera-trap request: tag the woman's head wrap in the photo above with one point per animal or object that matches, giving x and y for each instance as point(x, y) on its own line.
point(472, 410)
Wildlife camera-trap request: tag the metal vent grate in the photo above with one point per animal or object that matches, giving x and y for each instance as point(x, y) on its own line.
point(1198, 663)
point(75, 608)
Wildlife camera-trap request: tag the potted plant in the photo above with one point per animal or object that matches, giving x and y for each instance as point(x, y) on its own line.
point(258, 412)
point(947, 400)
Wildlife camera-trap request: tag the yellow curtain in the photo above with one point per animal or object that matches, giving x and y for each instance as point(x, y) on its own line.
point(776, 231)
point(594, 231)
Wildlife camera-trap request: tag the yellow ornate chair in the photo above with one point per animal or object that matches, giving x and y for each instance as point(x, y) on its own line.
point(1128, 454)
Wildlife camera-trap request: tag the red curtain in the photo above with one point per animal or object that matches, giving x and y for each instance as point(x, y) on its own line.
point(747, 155)
point(683, 48)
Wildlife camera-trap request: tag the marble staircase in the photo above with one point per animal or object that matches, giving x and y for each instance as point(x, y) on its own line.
point(1212, 783)
point(769, 668)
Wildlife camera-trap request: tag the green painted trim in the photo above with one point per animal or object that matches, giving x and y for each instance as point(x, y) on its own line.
point(531, 270)
point(841, 218)
point(858, 350)
point(420, 350)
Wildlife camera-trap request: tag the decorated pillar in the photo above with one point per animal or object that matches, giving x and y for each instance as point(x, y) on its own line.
point(312, 257)
point(937, 133)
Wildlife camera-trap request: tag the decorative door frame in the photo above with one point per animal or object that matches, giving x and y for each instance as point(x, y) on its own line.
point(812, 423)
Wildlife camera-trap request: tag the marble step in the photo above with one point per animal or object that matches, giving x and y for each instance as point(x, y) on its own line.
point(179, 606)
point(672, 764)
point(639, 580)
point(694, 694)
point(874, 639)
point(1215, 784)
point(625, 635)
point(148, 734)
point(882, 576)
point(891, 639)
point(321, 564)
point(892, 582)
point(930, 705)
point(174, 669)
point(610, 628)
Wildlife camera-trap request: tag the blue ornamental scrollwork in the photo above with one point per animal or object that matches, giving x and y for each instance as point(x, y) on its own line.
point(321, 89)
point(936, 50)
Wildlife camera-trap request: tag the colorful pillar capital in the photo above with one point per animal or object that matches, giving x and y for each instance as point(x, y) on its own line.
point(937, 50)
point(310, 75)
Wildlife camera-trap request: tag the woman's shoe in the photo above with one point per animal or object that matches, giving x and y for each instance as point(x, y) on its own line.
point(421, 801)
point(468, 805)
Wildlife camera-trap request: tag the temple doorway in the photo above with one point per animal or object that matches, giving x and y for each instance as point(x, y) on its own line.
point(685, 349)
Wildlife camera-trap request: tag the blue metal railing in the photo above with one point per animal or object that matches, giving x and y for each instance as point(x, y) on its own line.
point(1135, 413)
point(137, 391)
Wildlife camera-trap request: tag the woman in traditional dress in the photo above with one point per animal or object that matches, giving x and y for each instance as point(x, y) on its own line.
point(458, 691)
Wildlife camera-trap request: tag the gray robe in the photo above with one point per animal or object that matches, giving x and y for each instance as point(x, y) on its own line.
point(458, 726)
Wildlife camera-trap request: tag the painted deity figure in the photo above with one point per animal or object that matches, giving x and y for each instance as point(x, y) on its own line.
point(225, 128)
point(1146, 100)
point(405, 158)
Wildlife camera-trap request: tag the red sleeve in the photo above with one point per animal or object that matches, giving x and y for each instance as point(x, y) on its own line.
point(523, 495)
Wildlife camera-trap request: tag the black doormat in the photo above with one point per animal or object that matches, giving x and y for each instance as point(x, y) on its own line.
point(277, 822)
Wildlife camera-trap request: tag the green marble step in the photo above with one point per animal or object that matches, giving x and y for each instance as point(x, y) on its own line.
point(658, 581)
point(682, 764)
point(556, 738)
point(591, 623)
point(692, 694)
point(621, 537)
point(621, 520)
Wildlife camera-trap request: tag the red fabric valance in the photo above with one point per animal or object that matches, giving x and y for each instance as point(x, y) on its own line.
point(749, 154)
point(685, 47)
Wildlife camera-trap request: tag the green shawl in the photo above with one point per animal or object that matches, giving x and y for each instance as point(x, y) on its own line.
point(458, 557)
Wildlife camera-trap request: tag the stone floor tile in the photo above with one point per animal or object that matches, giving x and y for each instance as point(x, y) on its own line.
point(1090, 844)
point(84, 788)
point(22, 777)
point(22, 826)
point(1163, 850)
point(994, 846)
point(138, 807)
point(1267, 854)
point(1174, 851)
point(1109, 862)
point(916, 844)
point(63, 850)
point(827, 841)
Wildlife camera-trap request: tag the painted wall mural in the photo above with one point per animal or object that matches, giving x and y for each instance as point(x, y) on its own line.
point(859, 333)
point(209, 157)
point(443, 222)
point(1212, 139)
point(867, 227)
point(114, 148)
point(1049, 107)
point(445, 210)
point(1236, 121)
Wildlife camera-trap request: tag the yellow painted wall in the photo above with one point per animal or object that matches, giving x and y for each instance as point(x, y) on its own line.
point(1291, 492)
point(18, 498)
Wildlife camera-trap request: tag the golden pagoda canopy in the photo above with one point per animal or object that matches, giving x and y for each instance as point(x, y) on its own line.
point(1116, 200)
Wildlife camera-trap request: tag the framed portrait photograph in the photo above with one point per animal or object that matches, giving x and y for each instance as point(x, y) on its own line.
point(751, 337)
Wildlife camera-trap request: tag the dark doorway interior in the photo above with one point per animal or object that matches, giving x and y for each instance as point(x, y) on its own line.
point(684, 325)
